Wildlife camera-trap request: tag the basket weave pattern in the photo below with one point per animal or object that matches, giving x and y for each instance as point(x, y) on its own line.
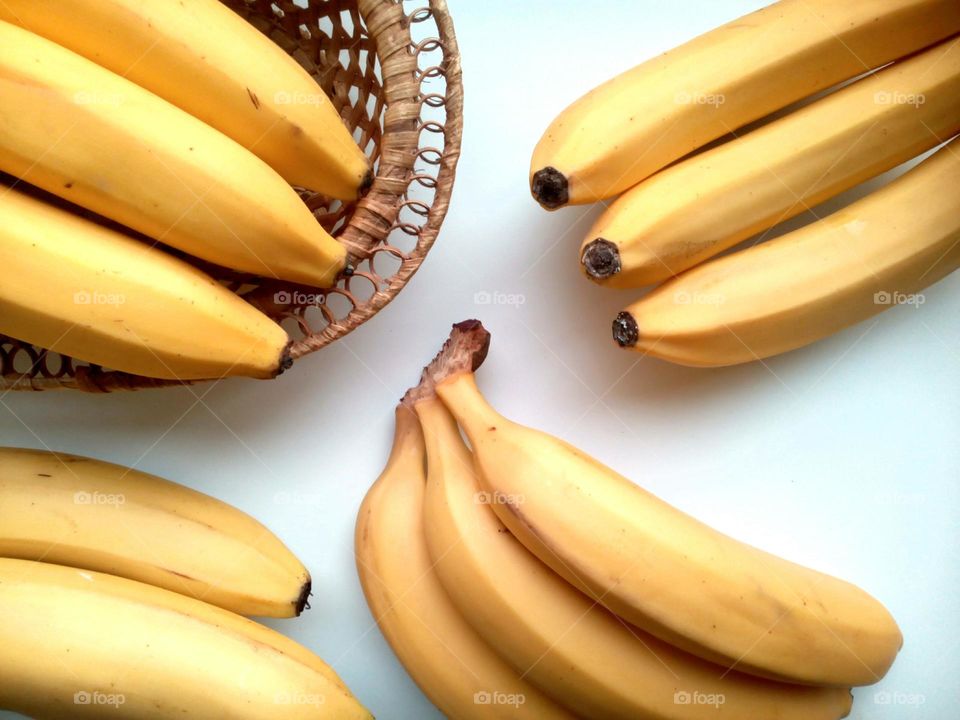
point(393, 73)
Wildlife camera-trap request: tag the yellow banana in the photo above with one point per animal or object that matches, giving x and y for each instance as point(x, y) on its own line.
point(641, 121)
point(205, 59)
point(710, 202)
point(98, 140)
point(560, 639)
point(662, 570)
point(80, 644)
point(798, 288)
point(94, 515)
point(453, 666)
point(76, 287)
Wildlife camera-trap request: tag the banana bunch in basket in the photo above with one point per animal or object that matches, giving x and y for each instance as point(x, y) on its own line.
point(128, 127)
point(647, 139)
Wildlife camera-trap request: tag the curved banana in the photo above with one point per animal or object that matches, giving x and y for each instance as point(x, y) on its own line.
point(100, 141)
point(710, 202)
point(80, 644)
point(94, 515)
point(641, 121)
point(798, 288)
point(453, 666)
point(555, 635)
point(187, 53)
point(76, 287)
point(664, 571)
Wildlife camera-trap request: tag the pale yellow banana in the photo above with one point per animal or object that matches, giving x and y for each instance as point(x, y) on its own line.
point(710, 202)
point(453, 666)
point(88, 514)
point(560, 639)
point(641, 121)
point(98, 140)
point(664, 571)
point(81, 644)
point(202, 57)
point(79, 288)
point(879, 251)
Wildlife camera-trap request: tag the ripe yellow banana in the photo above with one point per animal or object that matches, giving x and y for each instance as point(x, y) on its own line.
point(710, 202)
point(641, 121)
point(76, 287)
point(205, 59)
point(98, 140)
point(81, 644)
point(94, 515)
point(453, 666)
point(664, 571)
point(798, 288)
point(560, 639)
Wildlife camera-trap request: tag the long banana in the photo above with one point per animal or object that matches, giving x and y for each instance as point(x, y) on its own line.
point(662, 570)
point(559, 638)
point(93, 515)
point(641, 121)
point(205, 59)
point(98, 140)
point(877, 252)
point(453, 666)
point(710, 202)
point(76, 287)
point(80, 644)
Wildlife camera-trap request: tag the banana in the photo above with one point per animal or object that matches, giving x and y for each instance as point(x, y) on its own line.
point(100, 141)
point(710, 202)
point(73, 286)
point(559, 638)
point(81, 644)
point(660, 569)
point(94, 515)
point(187, 53)
point(453, 666)
point(798, 288)
point(641, 121)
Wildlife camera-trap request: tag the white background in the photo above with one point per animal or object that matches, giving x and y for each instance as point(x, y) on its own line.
point(843, 455)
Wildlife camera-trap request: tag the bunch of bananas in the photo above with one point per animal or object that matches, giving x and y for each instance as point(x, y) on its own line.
point(522, 578)
point(632, 139)
point(174, 123)
point(123, 596)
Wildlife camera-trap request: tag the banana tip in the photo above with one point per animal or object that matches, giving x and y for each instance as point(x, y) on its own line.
point(550, 188)
point(601, 259)
point(625, 330)
point(303, 601)
point(366, 183)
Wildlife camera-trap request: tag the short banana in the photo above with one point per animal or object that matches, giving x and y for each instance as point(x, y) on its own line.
point(453, 666)
point(664, 571)
point(80, 644)
point(641, 121)
point(880, 251)
point(555, 635)
point(94, 515)
point(100, 141)
point(710, 202)
point(188, 54)
point(76, 287)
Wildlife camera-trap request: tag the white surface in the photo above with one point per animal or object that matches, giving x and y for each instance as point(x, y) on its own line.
point(843, 456)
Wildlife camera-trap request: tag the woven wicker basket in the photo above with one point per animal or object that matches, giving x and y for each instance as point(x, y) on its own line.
point(392, 69)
